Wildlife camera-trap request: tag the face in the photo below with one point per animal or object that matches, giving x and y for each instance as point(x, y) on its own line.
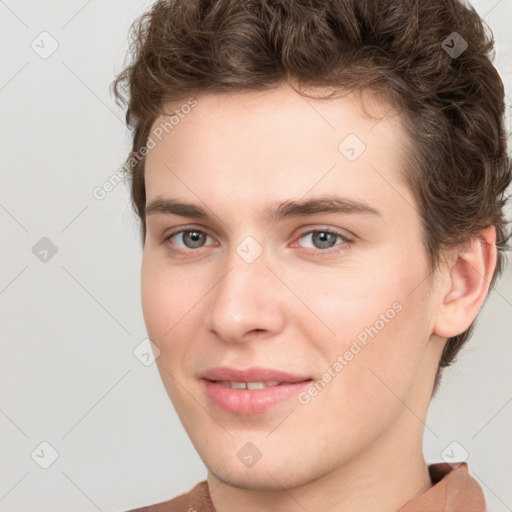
point(263, 277)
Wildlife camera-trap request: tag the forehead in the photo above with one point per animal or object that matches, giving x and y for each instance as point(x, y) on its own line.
point(252, 145)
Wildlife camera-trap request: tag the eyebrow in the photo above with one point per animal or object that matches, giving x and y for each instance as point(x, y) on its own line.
point(272, 213)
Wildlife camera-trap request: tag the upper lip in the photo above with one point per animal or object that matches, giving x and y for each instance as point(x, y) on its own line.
point(253, 374)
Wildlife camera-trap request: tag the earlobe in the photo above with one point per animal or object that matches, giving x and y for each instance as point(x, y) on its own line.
point(467, 284)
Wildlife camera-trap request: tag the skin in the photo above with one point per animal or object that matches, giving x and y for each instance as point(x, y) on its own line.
point(357, 445)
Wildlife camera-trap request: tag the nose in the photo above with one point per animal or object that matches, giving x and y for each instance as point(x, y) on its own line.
point(247, 303)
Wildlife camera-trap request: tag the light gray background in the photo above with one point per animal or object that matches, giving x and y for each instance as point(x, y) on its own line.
point(69, 326)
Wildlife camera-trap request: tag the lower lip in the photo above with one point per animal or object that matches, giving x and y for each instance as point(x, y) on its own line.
point(251, 401)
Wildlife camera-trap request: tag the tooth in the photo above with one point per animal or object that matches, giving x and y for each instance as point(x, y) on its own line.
point(238, 385)
point(261, 385)
point(256, 385)
point(248, 385)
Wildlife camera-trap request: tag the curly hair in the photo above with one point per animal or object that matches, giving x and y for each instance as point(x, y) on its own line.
point(452, 101)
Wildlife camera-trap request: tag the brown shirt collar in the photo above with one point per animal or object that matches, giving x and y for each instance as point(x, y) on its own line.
point(454, 490)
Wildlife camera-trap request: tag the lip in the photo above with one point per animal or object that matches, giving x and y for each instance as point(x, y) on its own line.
point(251, 401)
point(253, 374)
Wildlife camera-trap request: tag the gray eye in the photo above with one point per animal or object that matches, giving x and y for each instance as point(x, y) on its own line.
point(193, 239)
point(319, 239)
point(323, 239)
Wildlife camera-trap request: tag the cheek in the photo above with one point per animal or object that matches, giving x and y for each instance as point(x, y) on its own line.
point(162, 298)
point(346, 302)
point(172, 302)
point(152, 299)
point(366, 382)
point(377, 321)
point(394, 355)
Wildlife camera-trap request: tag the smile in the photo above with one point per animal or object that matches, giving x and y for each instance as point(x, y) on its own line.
point(251, 397)
point(248, 385)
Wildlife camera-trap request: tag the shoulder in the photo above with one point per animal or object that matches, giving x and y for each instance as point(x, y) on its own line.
point(195, 500)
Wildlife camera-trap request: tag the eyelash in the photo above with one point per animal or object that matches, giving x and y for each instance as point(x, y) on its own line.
point(316, 252)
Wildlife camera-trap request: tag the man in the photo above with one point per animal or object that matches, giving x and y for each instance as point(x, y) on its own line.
point(321, 190)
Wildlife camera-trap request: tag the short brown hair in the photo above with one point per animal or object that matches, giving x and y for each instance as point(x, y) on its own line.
point(452, 103)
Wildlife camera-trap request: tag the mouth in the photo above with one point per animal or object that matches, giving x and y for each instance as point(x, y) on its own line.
point(251, 391)
point(250, 385)
point(254, 374)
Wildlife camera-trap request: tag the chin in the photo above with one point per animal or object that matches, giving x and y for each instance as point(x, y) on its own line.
point(261, 479)
point(270, 473)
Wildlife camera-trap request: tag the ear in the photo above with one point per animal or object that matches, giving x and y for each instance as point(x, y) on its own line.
point(466, 283)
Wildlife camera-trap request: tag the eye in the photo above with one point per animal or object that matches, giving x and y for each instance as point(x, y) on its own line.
point(324, 239)
point(190, 238)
